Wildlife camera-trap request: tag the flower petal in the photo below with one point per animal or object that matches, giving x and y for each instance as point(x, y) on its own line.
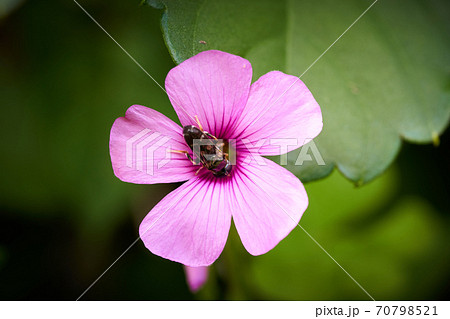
point(269, 202)
point(279, 107)
point(191, 224)
point(139, 144)
point(196, 277)
point(213, 85)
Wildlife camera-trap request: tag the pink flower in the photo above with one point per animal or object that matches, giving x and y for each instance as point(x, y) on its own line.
point(191, 224)
point(196, 277)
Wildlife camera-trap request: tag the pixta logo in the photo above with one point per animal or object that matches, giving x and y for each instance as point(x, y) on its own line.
point(146, 151)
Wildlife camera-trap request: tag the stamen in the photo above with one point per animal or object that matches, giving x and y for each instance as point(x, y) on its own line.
point(198, 123)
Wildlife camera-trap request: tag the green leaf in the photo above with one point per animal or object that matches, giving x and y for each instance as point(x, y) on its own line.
point(385, 80)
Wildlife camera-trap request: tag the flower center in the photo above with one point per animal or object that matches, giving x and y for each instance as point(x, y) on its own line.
point(209, 151)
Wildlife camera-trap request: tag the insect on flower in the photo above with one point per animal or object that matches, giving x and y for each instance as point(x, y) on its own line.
point(207, 148)
point(227, 125)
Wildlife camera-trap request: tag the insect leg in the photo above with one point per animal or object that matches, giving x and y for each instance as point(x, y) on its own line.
point(189, 157)
point(201, 128)
point(210, 135)
point(196, 173)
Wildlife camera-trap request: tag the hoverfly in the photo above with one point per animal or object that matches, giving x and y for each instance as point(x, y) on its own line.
point(208, 151)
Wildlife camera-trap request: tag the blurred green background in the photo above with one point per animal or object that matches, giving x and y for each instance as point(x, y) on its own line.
point(65, 217)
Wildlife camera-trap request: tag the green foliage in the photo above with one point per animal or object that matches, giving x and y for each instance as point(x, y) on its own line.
point(65, 217)
point(58, 109)
point(385, 250)
point(384, 80)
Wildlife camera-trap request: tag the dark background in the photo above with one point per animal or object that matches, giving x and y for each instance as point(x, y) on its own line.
point(65, 217)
